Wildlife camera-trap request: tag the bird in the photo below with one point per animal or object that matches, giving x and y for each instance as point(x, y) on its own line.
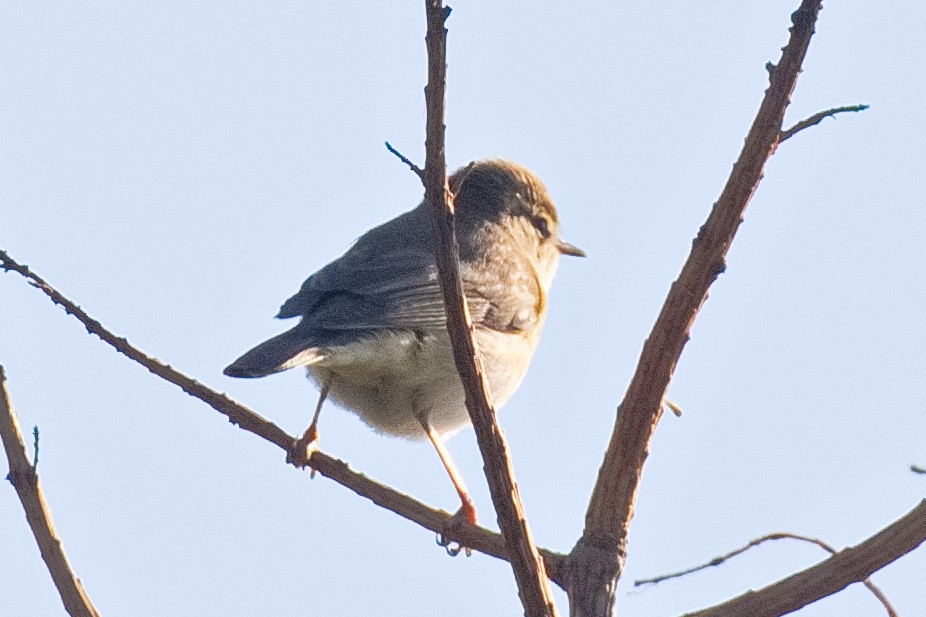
point(373, 335)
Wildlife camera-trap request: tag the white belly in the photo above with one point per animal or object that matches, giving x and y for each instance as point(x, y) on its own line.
point(392, 379)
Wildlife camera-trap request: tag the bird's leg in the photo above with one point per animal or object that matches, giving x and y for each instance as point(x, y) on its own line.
point(467, 511)
point(308, 443)
point(311, 433)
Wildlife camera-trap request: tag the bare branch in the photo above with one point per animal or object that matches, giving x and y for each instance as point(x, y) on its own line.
point(817, 118)
point(476, 538)
point(432, 519)
point(526, 562)
point(850, 565)
point(26, 482)
point(716, 561)
point(237, 414)
point(599, 555)
point(418, 171)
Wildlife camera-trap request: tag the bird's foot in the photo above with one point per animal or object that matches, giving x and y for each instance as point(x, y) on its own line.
point(303, 448)
point(465, 515)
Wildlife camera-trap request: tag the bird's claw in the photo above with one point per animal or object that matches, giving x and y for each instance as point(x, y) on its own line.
point(452, 547)
point(466, 514)
point(303, 448)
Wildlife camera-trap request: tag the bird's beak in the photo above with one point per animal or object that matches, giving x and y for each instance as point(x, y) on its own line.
point(567, 249)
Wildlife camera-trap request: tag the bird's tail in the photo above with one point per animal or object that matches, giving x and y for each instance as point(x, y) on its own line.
point(282, 352)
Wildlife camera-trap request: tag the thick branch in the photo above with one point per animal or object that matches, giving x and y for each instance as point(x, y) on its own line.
point(26, 482)
point(611, 505)
point(848, 566)
point(526, 563)
point(472, 537)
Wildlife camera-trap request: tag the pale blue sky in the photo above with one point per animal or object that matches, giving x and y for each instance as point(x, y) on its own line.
point(178, 169)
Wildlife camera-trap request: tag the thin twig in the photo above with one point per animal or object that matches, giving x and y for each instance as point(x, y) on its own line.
point(26, 482)
point(672, 407)
point(599, 556)
point(459, 179)
point(35, 447)
point(526, 562)
point(716, 561)
point(418, 171)
point(435, 520)
point(817, 118)
point(917, 469)
point(845, 567)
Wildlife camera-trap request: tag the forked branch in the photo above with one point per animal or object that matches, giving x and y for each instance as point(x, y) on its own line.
point(720, 559)
point(598, 558)
point(848, 566)
point(24, 479)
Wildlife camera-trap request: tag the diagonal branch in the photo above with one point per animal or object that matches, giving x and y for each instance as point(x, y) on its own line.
point(418, 171)
point(847, 566)
point(432, 519)
point(720, 559)
point(817, 118)
point(526, 563)
point(599, 555)
point(26, 482)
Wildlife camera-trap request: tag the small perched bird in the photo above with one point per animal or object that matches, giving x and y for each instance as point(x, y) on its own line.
point(373, 330)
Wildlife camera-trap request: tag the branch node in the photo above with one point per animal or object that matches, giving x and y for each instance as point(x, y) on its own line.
point(26, 483)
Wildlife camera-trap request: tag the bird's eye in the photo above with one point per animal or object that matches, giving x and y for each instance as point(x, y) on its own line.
point(543, 226)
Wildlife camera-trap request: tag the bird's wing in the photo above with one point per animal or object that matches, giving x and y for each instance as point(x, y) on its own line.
point(399, 289)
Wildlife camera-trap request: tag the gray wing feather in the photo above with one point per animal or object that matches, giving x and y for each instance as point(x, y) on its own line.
point(379, 284)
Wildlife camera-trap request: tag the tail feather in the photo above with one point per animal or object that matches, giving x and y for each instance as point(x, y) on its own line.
point(280, 353)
